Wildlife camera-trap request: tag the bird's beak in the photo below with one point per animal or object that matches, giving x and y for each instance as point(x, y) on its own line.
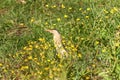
point(48, 30)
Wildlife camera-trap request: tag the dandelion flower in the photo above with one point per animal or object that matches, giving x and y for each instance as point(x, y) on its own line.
point(54, 6)
point(51, 76)
point(106, 17)
point(30, 57)
point(62, 6)
point(21, 24)
point(24, 67)
point(93, 65)
point(41, 39)
point(70, 8)
point(80, 9)
point(88, 9)
point(79, 55)
point(105, 11)
point(87, 17)
point(32, 19)
point(1, 64)
point(104, 50)
point(46, 23)
point(65, 16)
point(48, 60)
point(36, 46)
point(96, 42)
point(58, 19)
point(47, 68)
point(54, 24)
point(114, 10)
point(87, 78)
point(46, 5)
point(78, 19)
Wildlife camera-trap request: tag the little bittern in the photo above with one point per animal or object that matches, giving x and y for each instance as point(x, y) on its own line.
point(58, 43)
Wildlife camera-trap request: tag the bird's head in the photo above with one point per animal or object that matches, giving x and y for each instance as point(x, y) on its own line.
point(53, 31)
point(56, 35)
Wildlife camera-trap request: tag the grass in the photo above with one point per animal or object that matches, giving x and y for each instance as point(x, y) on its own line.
point(90, 32)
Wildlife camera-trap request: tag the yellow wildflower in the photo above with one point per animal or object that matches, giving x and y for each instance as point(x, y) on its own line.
point(106, 11)
point(21, 24)
point(60, 65)
point(54, 6)
point(26, 60)
point(104, 50)
point(1, 64)
point(54, 69)
point(36, 46)
point(113, 10)
point(93, 65)
point(82, 38)
point(52, 62)
point(12, 72)
point(46, 23)
point(24, 67)
point(74, 49)
point(65, 16)
point(86, 16)
point(4, 70)
point(59, 56)
point(47, 68)
point(48, 60)
point(51, 76)
point(29, 48)
point(35, 59)
point(54, 24)
point(82, 23)
point(80, 9)
point(117, 44)
point(100, 20)
point(77, 19)
point(70, 8)
point(58, 19)
point(24, 48)
point(32, 19)
point(40, 72)
point(106, 17)
point(30, 58)
point(62, 6)
point(88, 9)
point(87, 78)
point(31, 42)
point(96, 42)
point(46, 5)
point(37, 63)
point(58, 69)
point(79, 55)
point(72, 46)
point(41, 39)
point(63, 41)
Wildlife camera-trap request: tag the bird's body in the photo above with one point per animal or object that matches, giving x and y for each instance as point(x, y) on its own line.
point(58, 43)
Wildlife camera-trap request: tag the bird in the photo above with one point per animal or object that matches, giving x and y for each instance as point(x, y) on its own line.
point(62, 53)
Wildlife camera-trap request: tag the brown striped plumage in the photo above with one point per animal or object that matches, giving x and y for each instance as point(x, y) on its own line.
point(58, 43)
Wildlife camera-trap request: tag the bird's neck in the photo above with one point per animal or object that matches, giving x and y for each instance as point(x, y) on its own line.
point(57, 40)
